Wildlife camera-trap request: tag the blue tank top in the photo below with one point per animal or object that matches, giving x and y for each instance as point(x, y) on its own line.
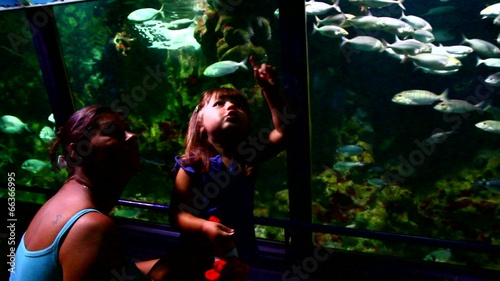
point(42, 265)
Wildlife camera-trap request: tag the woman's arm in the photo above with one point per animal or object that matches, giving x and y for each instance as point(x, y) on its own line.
point(92, 249)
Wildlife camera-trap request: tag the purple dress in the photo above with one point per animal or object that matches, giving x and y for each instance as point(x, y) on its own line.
point(228, 194)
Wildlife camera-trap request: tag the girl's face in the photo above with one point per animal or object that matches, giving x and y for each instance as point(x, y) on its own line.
point(224, 116)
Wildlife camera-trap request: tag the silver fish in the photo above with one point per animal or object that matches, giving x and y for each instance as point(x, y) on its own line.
point(377, 182)
point(346, 165)
point(12, 125)
point(338, 20)
point(493, 79)
point(222, 68)
point(47, 134)
point(460, 106)
point(482, 47)
point(179, 24)
point(395, 26)
point(423, 36)
point(314, 8)
point(437, 71)
point(416, 22)
point(490, 11)
point(350, 150)
point(456, 51)
point(418, 97)
point(145, 14)
point(435, 61)
point(443, 255)
point(409, 47)
point(364, 22)
point(34, 165)
point(491, 62)
point(330, 31)
point(491, 126)
point(364, 43)
point(438, 137)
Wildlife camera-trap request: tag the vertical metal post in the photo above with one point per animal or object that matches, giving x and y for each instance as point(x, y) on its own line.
point(46, 40)
point(296, 89)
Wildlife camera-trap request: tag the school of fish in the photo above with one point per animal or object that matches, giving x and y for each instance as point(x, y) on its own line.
point(413, 42)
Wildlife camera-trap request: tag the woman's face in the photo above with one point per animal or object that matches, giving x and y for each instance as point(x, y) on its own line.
point(224, 115)
point(114, 148)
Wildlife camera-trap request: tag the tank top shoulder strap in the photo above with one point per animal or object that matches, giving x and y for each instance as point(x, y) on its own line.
point(69, 224)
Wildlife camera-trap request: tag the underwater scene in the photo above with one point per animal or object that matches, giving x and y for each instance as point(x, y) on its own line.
point(404, 107)
point(406, 124)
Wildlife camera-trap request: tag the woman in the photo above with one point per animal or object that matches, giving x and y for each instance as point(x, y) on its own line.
point(71, 237)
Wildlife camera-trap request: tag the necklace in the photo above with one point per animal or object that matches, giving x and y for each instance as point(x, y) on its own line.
point(79, 182)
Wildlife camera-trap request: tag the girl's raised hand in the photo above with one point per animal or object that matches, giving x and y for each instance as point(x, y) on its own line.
point(265, 74)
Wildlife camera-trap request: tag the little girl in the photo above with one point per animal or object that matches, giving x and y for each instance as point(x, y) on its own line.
point(215, 175)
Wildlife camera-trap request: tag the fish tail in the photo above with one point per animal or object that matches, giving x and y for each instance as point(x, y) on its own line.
point(402, 15)
point(400, 4)
point(318, 20)
point(464, 39)
point(484, 105)
point(444, 95)
point(162, 13)
point(384, 45)
point(344, 41)
point(336, 6)
point(243, 63)
point(479, 61)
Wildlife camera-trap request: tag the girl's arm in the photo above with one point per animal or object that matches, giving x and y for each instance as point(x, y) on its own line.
point(185, 211)
point(266, 77)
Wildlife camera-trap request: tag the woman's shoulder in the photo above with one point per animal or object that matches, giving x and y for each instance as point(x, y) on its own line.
point(96, 225)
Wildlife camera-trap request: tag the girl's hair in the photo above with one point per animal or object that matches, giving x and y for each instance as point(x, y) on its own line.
point(78, 129)
point(198, 149)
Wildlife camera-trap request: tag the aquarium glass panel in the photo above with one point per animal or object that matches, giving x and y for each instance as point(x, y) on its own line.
point(405, 121)
point(148, 60)
point(26, 124)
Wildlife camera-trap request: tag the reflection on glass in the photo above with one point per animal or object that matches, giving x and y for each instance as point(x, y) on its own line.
point(148, 60)
point(10, 3)
point(25, 128)
point(376, 81)
point(421, 253)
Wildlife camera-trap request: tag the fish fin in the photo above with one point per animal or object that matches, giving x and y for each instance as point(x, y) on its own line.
point(318, 20)
point(464, 39)
point(384, 45)
point(400, 4)
point(315, 28)
point(344, 41)
point(27, 129)
point(402, 15)
point(336, 6)
point(479, 61)
point(444, 95)
point(243, 63)
point(484, 105)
